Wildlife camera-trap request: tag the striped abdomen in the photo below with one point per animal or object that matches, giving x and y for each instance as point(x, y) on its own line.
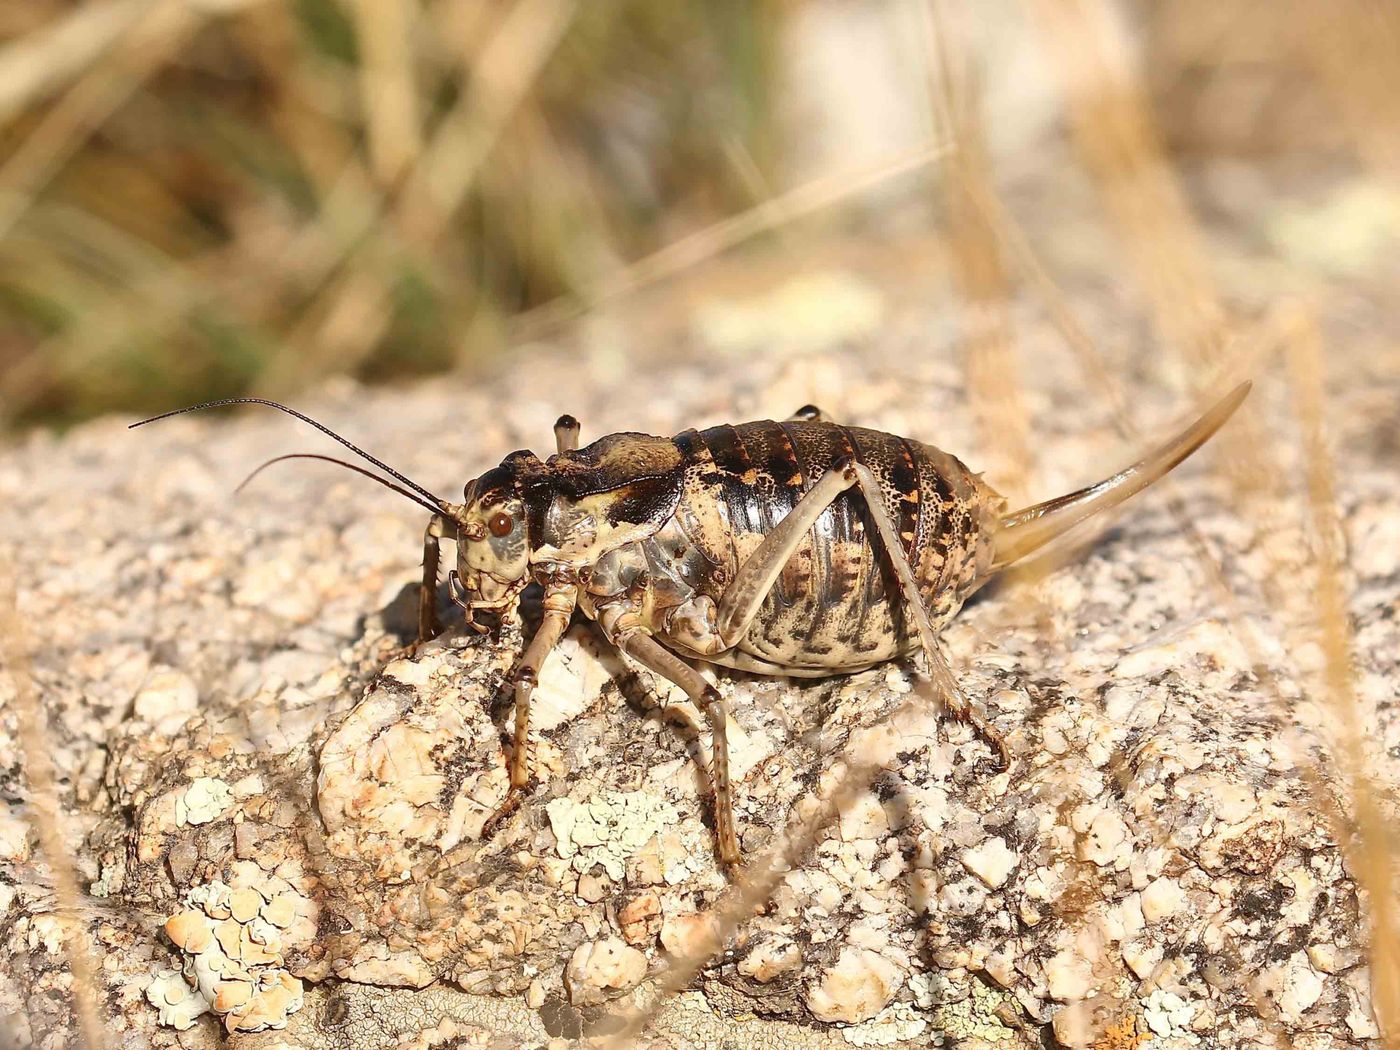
point(836, 606)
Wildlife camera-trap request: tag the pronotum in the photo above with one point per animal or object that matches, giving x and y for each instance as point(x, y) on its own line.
point(800, 547)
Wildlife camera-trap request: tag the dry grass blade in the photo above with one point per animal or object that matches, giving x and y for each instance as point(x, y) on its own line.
point(45, 813)
point(756, 883)
point(1352, 44)
point(1115, 137)
point(38, 62)
point(1244, 456)
point(988, 338)
point(103, 89)
point(1373, 855)
point(464, 139)
point(348, 319)
point(696, 248)
point(388, 94)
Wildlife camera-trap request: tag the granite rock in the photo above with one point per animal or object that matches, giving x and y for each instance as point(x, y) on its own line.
point(281, 820)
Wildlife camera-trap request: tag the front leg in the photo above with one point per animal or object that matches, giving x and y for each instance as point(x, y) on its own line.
point(558, 602)
point(429, 625)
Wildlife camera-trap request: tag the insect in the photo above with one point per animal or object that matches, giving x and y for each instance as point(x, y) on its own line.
point(801, 547)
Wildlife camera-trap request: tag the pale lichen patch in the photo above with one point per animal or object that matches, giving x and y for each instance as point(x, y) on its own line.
point(178, 1002)
point(231, 939)
point(203, 801)
point(608, 828)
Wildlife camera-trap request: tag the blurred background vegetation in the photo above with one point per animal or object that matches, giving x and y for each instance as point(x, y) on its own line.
point(204, 198)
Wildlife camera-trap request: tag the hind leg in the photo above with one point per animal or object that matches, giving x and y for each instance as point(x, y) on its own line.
point(952, 695)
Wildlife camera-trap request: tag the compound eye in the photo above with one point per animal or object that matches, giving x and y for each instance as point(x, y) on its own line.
point(500, 523)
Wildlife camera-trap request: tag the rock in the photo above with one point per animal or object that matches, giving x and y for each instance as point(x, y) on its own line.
point(1160, 899)
point(167, 700)
point(288, 824)
point(1104, 837)
point(14, 837)
point(592, 888)
point(1293, 986)
point(1085, 1023)
point(991, 862)
point(602, 970)
point(640, 918)
point(856, 988)
point(687, 933)
point(771, 958)
point(1069, 975)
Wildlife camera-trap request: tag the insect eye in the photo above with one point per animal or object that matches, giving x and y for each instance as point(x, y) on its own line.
point(500, 524)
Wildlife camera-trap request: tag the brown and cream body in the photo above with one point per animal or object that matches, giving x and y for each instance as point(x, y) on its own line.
point(712, 496)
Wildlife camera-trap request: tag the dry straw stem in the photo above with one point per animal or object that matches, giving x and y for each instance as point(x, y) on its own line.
point(1373, 849)
point(755, 884)
point(1119, 148)
point(346, 321)
point(996, 396)
point(388, 93)
point(142, 44)
point(1251, 462)
point(1116, 139)
point(37, 63)
point(1352, 44)
point(823, 192)
point(46, 815)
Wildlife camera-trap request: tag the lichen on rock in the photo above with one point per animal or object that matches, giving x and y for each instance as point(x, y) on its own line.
point(232, 943)
point(607, 829)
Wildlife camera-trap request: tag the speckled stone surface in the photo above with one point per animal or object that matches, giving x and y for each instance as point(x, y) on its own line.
point(279, 824)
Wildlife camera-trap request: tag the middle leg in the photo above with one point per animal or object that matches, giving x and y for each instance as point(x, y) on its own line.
point(632, 639)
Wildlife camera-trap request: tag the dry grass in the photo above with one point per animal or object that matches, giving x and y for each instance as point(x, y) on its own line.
point(1372, 850)
point(210, 199)
point(46, 813)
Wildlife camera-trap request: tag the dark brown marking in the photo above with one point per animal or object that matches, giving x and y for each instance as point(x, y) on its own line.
point(780, 461)
point(904, 477)
point(727, 450)
point(800, 480)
